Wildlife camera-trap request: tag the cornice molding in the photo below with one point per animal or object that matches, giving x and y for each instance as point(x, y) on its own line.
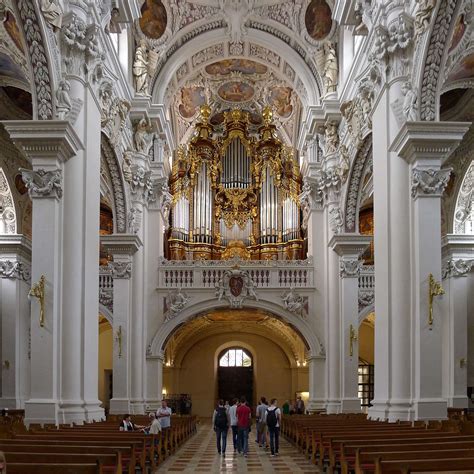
point(350, 245)
point(121, 244)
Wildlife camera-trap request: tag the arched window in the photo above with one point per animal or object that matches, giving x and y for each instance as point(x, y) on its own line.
point(7, 209)
point(464, 215)
point(235, 357)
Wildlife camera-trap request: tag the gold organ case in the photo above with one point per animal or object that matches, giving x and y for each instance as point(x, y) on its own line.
point(235, 193)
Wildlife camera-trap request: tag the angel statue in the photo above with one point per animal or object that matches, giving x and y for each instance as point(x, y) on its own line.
point(175, 302)
point(293, 302)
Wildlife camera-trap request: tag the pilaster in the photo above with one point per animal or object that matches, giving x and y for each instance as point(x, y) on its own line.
point(424, 146)
point(121, 247)
point(15, 281)
point(48, 145)
point(458, 263)
point(349, 247)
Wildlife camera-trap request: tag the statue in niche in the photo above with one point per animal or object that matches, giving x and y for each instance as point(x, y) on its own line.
point(143, 137)
point(330, 72)
point(410, 105)
point(63, 105)
point(140, 68)
point(52, 13)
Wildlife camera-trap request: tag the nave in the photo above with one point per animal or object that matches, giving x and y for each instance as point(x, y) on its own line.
point(199, 454)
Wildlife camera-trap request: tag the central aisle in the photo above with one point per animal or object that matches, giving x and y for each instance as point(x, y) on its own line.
point(199, 454)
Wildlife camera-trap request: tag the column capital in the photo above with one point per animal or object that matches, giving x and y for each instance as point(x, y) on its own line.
point(350, 246)
point(428, 143)
point(121, 244)
point(44, 139)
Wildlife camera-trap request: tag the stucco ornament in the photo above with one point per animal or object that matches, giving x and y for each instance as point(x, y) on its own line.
point(236, 286)
point(350, 268)
point(120, 269)
point(52, 13)
point(235, 14)
point(410, 102)
point(344, 165)
point(175, 303)
point(331, 71)
point(15, 269)
point(457, 267)
point(429, 181)
point(423, 16)
point(140, 68)
point(42, 183)
point(143, 137)
point(331, 136)
point(165, 203)
point(294, 302)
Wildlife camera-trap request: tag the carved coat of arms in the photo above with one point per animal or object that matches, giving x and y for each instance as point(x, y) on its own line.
point(236, 285)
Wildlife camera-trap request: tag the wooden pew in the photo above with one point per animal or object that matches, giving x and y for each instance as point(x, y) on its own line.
point(22, 468)
point(404, 466)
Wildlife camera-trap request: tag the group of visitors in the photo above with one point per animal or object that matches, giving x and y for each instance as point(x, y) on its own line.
point(238, 417)
point(159, 421)
point(294, 407)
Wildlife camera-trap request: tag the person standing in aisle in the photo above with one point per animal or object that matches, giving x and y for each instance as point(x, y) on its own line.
point(273, 421)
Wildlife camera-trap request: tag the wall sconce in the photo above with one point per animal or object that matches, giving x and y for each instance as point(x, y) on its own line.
point(164, 392)
point(298, 363)
point(434, 289)
point(37, 290)
point(462, 362)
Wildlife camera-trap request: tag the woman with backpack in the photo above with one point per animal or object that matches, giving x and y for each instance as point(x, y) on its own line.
point(221, 423)
point(273, 422)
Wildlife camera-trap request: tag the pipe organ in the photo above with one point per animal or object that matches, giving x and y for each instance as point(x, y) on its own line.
point(235, 193)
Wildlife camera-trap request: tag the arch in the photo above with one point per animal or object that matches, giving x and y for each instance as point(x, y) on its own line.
point(301, 326)
point(106, 313)
point(39, 60)
point(429, 75)
point(362, 160)
point(312, 84)
point(8, 221)
point(365, 312)
point(463, 211)
point(118, 187)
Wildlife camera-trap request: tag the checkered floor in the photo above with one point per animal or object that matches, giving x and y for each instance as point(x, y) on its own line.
point(199, 454)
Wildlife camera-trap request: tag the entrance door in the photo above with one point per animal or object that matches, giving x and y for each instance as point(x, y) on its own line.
point(235, 375)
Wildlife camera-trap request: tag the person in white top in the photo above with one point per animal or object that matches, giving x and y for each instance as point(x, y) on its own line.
point(233, 423)
point(273, 421)
point(155, 426)
point(164, 415)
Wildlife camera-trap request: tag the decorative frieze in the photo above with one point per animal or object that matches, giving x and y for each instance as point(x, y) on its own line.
point(429, 182)
point(15, 269)
point(42, 183)
point(457, 267)
point(121, 269)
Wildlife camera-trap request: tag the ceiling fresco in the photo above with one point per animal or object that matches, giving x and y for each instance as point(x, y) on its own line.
point(318, 20)
point(236, 91)
point(228, 66)
point(154, 19)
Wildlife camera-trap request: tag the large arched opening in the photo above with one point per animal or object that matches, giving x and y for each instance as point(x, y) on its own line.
point(194, 367)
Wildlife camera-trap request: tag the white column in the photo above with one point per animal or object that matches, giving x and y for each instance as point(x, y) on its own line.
point(424, 146)
point(121, 247)
point(154, 380)
point(392, 398)
point(458, 262)
point(15, 281)
point(349, 247)
point(47, 144)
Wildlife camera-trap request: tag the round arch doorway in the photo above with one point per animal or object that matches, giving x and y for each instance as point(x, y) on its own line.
point(235, 376)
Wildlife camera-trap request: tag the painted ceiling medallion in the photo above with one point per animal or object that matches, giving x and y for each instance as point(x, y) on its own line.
point(236, 91)
point(318, 20)
point(228, 66)
point(280, 100)
point(154, 19)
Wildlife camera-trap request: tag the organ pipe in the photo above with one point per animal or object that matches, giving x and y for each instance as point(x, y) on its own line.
point(236, 190)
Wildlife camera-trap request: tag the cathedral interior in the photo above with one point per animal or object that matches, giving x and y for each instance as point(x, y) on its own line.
point(201, 199)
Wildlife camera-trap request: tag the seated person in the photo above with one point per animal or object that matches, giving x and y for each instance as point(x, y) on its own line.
point(155, 426)
point(127, 425)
